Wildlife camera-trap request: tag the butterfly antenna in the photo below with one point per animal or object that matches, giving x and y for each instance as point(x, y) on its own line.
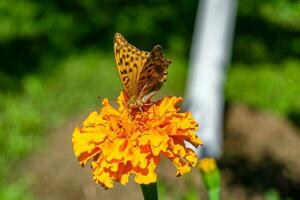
point(111, 100)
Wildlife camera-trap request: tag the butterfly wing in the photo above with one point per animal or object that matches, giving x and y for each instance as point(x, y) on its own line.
point(130, 62)
point(153, 74)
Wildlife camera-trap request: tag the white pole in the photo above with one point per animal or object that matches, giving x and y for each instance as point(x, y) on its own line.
point(210, 54)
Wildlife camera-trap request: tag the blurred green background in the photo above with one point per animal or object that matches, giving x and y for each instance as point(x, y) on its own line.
point(57, 57)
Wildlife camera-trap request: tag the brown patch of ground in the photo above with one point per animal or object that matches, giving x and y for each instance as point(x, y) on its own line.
point(260, 152)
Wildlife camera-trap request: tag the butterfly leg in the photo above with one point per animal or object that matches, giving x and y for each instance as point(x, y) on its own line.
point(140, 108)
point(154, 111)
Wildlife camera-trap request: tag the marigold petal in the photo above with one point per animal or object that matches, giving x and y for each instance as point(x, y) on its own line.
point(147, 175)
point(90, 121)
point(191, 157)
point(137, 158)
point(169, 104)
point(84, 145)
point(111, 150)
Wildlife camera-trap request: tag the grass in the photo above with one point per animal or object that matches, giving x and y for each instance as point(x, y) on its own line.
point(266, 86)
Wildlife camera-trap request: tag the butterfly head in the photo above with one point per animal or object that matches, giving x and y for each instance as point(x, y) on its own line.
point(134, 102)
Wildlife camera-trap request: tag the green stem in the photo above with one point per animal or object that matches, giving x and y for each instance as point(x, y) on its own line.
point(214, 194)
point(150, 191)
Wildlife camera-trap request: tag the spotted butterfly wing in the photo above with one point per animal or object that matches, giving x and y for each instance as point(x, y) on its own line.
point(142, 73)
point(130, 62)
point(153, 75)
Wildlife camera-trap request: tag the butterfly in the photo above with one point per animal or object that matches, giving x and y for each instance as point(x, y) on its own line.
point(142, 73)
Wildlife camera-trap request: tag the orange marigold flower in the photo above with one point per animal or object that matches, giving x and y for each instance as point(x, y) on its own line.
point(123, 141)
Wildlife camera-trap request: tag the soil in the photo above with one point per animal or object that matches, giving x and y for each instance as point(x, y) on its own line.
point(260, 152)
